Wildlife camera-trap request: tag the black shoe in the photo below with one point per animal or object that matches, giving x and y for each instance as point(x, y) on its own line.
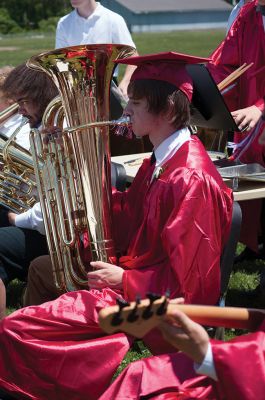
point(248, 254)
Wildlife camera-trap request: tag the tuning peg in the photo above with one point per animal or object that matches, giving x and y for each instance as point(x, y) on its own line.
point(117, 320)
point(133, 316)
point(148, 311)
point(153, 296)
point(122, 303)
point(162, 309)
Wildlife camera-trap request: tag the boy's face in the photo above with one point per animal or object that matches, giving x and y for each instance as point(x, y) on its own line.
point(28, 109)
point(143, 122)
point(80, 3)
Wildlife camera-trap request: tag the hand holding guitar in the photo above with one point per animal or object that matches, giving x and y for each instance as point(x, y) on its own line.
point(186, 335)
point(139, 317)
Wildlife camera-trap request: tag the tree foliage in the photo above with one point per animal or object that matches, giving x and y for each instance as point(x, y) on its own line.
point(7, 24)
point(27, 14)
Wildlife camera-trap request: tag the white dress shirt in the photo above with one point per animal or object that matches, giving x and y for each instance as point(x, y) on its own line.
point(169, 147)
point(102, 26)
point(31, 219)
point(207, 366)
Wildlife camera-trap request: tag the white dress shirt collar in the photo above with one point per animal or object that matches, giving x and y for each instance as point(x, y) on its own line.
point(170, 145)
point(95, 14)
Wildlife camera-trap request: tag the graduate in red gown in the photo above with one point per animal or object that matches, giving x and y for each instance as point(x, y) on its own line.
point(231, 370)
point(245, 43)
point(170, 229)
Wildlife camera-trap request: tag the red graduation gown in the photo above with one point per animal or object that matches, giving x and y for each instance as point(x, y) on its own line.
point(173, 230)
point(245, 43)
point(239, 363)
point(170, 235)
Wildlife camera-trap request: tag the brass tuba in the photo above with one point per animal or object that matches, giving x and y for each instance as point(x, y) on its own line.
point(73, 176)
point(18, 189)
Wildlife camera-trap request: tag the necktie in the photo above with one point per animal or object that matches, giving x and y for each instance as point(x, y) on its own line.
point(153, 158)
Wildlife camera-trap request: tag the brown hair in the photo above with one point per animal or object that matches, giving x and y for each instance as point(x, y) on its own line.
point(4, 72)
point(163, 98)
point(30, 84)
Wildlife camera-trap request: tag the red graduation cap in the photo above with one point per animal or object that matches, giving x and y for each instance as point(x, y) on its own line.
point(167, 66)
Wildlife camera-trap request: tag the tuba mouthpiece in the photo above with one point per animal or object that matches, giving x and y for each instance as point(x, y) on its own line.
point(124, 126)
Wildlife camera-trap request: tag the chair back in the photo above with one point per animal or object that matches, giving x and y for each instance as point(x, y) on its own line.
point(228, 255)
point(227, 261)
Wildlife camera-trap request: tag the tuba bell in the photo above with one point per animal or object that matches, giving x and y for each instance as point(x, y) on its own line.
point(18, 189)
point(73, 175)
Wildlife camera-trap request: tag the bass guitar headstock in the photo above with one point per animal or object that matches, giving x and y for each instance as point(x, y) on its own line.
point(139, 317)
point(136, 318)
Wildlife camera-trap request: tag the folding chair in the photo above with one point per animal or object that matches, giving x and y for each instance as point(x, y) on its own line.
point(227, 259)
point(118, 176)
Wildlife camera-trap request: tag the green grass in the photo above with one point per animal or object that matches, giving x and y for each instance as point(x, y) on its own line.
point(200, 43)
point(17, 49)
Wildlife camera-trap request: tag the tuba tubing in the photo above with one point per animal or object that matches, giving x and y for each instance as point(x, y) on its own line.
point(18, 190)
point(8, 113)
point(73, 179)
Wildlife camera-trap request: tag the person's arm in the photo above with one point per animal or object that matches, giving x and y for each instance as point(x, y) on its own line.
point(105, 275)
point(247, 118)
point(185, 335)
point(240, 366)
point(207, 366)
point(121, 34)
point(262, 136)
point(31, 219)
point(225, 59)
point(123, 85)
point(260, 104)
point(192, 339)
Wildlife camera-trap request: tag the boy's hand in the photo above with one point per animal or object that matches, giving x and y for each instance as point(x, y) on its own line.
point(247, 118)
point(187, 336)
point(105, 275)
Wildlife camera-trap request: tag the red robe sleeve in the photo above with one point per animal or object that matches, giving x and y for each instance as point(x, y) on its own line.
point(225, 59)
point(244, 43)
point(240, 366)
point(167, 377)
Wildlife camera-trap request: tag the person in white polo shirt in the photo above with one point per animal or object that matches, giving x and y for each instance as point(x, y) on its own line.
point(91, 23)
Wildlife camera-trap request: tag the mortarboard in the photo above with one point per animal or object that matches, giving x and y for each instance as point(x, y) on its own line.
point(168, 67)
point(189, 74)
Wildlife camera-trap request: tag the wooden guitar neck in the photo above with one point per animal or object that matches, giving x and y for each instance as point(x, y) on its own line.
point(138, 318)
